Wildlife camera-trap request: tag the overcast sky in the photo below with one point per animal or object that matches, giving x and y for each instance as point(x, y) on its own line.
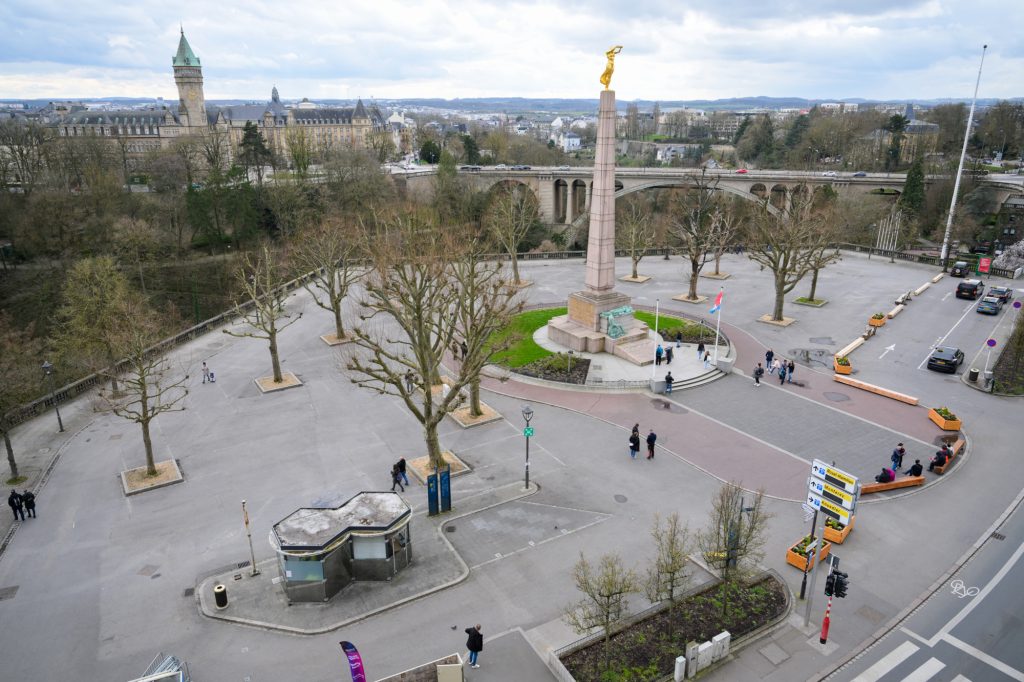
point(876, 49)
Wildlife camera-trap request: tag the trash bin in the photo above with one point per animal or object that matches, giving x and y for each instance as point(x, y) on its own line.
point(220, 596)
point(972, 375)
point(989, 374)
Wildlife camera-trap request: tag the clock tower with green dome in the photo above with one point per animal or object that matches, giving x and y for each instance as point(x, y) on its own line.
point(188, 75)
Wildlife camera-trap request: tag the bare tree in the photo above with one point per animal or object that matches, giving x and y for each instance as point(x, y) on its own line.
point(730, 223)
point(20, 376)
point(734, 538)
point(606, 589)
point(327, 251)
point(147, 389)
point(261, 280)
point(634, 229)
point(23, 151)
point(787, 243)
point(669, 572)
point(511, 213)
point(696, 225)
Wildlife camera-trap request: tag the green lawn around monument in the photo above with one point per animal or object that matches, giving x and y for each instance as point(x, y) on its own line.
point(524, 350)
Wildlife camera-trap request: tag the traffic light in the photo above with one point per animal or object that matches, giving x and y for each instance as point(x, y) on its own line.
point(840, 584)
point(830, 584)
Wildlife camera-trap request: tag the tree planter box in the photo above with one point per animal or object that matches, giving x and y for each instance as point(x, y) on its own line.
point(837, 536)
point(800, 561)
point(944, 424)
point(842, 369)
point(876, 322)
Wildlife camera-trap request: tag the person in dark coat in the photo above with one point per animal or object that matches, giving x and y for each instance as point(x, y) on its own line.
point(28, 498)
point(634, 444)
point(700, 350)
point(396, 479)
point(475, 644)
point(401, 470)
point(16, 504)
point(897, 457)
point(652, 438)
point(768, 357)
point(668, 355)
point(915, 469)
point(658, 353)
point(679, 339)
point(790, 368)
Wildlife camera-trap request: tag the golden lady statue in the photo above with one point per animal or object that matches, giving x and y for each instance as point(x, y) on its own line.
point(606, 77)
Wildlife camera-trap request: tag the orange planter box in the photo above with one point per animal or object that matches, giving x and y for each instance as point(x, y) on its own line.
point(800, 561)
point(841, 369)
point(943, 423)
point(876, 323)
point(837, 536)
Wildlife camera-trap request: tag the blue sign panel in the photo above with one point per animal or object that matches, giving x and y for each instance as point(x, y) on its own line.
point(446, 489)
point(432, 495)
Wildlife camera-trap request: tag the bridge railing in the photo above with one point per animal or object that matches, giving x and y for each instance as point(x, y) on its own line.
point(925, 258)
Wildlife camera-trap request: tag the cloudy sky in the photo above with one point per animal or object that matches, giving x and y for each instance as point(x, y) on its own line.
point(877, 49)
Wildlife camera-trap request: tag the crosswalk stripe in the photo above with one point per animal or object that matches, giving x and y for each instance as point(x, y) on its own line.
point(926, 671)
point(887, 663)
point(960, 678)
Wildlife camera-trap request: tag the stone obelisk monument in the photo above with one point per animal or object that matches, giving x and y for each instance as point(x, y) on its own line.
point(600, 319)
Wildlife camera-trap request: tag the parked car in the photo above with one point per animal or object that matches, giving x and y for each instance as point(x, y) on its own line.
point(990, 305)
point(742, 171)
point(960, 269)
point(501, 166)
point(981, 247)
point(945, 359)
point(564, 168)
point(970, 288)
point(1004, 294)
point(860, 174)
point(830, 174)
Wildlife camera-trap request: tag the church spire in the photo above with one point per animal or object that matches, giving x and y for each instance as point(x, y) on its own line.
point(184, 56)
point(274, 96)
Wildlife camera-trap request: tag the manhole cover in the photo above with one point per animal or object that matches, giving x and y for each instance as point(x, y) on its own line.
point(43, 451)
point(154, 576)
point(189, 592)
point(621, 498)
point(242, 564)
point(116, 436)
point(822, 340)
point(836, 397)
point(449, 529)
point(148, 569)
point(662, 405)
point(8, 592)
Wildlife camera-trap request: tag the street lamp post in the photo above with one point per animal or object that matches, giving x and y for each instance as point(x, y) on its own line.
point(48, 370)
point(528, 431)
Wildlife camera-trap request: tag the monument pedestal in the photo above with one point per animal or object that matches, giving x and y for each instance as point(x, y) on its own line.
point(584, 329)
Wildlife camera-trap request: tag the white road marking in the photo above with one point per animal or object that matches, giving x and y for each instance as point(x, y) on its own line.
point(1009, 671)
point(991, 585)
point(960, 678)
point(888, 349)
point(948, 294)
point(926, 671)
point(887, 663)
point(946, 335)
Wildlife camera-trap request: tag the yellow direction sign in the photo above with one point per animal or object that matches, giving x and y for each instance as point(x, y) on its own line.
point(832, 493)
point(829, 508)
point(836, 477)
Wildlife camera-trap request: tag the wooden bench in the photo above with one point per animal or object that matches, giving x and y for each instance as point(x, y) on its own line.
point(885, 392)
point(954, 450)
point(905, 482)
point(896, 311)
point(850, 347)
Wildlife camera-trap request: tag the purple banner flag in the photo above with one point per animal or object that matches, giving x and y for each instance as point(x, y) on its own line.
point(355, 661)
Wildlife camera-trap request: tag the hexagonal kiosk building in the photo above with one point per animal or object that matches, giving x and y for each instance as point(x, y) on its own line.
point(321, 550)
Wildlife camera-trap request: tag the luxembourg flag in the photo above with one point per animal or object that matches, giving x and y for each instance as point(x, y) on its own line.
point(718, 303)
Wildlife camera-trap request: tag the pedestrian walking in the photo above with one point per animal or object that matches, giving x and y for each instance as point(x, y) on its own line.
point(707, 359)
point(28, 498)
point(401, 470)
point(897, 456)
point(455, 349)
point(206, 373)
point(658, 353)
point(790, 368)
point(679, 339)
point(700, 350)
point(396, 478)
point(410, 381)
point(634, 444)
point(668, 383)
point(668, 355)
point(652, 438)
point(758, 373)
point(776, 365)
point(17, 506)
point(782, 374)
point(465, 349)
point(768, 357)
point(636, 429)
point(475, 644)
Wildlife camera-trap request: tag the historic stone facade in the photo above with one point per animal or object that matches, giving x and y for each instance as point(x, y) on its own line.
point(142, 131)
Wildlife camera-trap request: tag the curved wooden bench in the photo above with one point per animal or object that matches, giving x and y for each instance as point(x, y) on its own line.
point(905, 482)
point(885, 392)
point(954, 450)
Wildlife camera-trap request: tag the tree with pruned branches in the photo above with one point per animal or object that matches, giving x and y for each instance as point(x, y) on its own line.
point(669, 572)
point(730, 224)
point(511, 213)
point(262, 278)
point(328, 250)
point(697, 225)
point(606, 589)
point(634, 229)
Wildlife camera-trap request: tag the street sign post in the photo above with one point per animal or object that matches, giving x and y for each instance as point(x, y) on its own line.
point(834, 476)
point(528, 431)
point(833, 494)
point(828, 508)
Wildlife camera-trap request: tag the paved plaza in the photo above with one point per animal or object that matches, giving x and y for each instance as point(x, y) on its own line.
point(99, 583)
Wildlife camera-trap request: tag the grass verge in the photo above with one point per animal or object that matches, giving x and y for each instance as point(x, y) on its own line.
point(519, 333)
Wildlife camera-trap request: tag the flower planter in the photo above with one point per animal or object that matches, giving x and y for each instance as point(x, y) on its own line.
point(837, 536)
point(798, 560)
point(943, 423)
point(841, 369)
point(876, 322)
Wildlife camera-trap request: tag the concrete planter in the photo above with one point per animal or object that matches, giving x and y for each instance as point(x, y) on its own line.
point(838, 536)
point(943, 423)
point(794, 558)
point(841, 369)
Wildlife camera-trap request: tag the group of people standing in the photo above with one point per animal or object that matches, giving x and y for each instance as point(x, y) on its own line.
point(634, 442)
point(785, 368)
point(916, 469)
point(22, 503)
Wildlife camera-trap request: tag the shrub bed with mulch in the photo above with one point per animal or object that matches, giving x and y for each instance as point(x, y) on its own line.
point(556, 367)
point(647, 650)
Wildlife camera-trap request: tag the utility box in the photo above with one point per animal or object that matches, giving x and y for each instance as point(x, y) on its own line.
point(704, 658)
point(720, 645)
point(691, 660)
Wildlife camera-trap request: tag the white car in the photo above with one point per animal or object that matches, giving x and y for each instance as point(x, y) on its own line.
point(830, 174)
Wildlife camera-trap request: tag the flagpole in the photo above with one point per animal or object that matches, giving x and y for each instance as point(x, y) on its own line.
point(718, 326)
point(657, 308)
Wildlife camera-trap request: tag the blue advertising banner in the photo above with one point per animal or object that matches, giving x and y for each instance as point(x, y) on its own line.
point(355, 661)
point(446, 489)
point(432, 495)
